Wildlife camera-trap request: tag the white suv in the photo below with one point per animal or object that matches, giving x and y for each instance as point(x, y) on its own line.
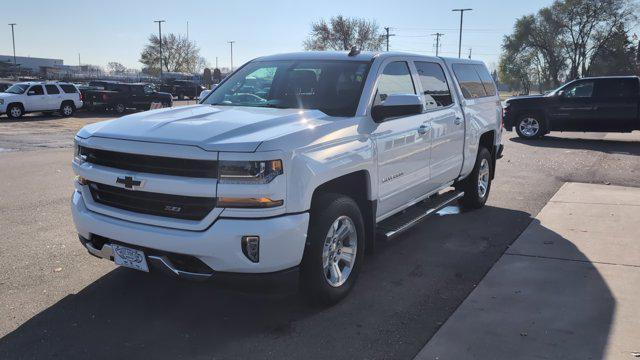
point(27, 97)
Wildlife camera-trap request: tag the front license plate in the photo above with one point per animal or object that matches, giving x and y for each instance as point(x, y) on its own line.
point(130, 258)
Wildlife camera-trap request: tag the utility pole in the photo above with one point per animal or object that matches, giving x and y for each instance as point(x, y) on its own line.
point(216, 62)
point(387, 36)
point(231, 43)
point(160, 38)
point(13, 38)
point(469, 53)
point(437, 35)
point(460, 39)
point(187, 29)
point(79, 60)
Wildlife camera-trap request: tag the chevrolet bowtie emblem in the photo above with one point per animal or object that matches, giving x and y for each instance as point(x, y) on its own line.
point(129, 182)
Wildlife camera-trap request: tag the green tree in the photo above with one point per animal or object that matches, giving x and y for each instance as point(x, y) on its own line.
point(616, 57)
point(342, 33)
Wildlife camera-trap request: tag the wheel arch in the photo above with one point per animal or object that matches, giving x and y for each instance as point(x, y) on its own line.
point(356, 185)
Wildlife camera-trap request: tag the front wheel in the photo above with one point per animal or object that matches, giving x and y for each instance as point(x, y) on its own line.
point(15, 111)
point(529, 127)
point(120, 108)
point(334, 249)
point(67, 109)
point(477, 185)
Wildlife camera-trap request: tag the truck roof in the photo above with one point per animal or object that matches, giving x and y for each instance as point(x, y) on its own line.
point(362, 56)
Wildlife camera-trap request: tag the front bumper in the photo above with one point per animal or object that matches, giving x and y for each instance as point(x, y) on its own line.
point(282, 240)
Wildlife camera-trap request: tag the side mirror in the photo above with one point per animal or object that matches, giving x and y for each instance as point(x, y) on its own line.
point(396, 105)
point(560, 93)
point(203, 94)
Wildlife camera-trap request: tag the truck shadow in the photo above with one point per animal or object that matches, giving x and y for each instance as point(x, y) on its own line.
point(602, 145)
point(406, 291)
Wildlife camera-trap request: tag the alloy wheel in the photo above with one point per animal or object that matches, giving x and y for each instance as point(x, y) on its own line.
point(339, 252)
point(483, 178)
point(529, 126)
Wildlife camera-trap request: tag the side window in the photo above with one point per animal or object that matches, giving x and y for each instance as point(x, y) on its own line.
point(395, 79)
point(487, 80)
point(469, 81)
point(581, 89)
point(36, 90)
point(435, 89)
point(616, 88)
point(68, 89)
point(52, 89)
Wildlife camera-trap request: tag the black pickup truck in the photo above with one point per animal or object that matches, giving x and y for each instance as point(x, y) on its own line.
point(117, 96)
point(598, 104)
point(182, 89)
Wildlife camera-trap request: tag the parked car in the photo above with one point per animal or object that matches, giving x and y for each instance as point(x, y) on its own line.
point(117, 96)
point(599, 104)
point(183, 89)
point(25, 97)
point(296, 162)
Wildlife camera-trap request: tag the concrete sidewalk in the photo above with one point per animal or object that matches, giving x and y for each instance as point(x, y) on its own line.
point(568, 287)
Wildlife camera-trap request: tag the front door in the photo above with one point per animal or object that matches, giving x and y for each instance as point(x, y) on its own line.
point(402, 145)
point(36, 99)
point(573, 110)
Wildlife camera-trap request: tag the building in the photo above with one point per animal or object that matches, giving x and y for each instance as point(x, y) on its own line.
point(32, 64)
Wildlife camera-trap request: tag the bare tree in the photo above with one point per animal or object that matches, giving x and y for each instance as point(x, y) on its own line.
point(178, 55)
point(116, 68)
point(342, 33)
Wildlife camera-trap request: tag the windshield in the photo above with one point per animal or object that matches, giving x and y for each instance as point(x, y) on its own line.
point(17, 89)
point(331, 86)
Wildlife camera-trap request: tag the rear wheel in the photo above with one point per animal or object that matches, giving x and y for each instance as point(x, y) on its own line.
point(15, 111)
point(530, 127)
point(120, 108)
point(477, 185)
point(334, 251)
point(67, 109)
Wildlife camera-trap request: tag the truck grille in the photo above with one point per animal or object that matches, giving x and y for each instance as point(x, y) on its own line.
point(151, 164)
point(173, 206)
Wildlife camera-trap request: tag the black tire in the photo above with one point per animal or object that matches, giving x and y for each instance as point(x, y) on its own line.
point(530, 126)
point(327, 209)
point(120, 108)
point(180, 96)
point(15, 111)
point(472, 195)
point(67, 109)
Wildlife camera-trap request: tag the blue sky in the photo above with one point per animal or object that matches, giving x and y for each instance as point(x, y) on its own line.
point(116, 30)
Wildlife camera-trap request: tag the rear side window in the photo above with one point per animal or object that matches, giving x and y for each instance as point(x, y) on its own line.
point(395, 79)
point(69, 89)
point(435, 89)
point(52, 89)
point(616, 88)
point(469, 81)
point(487, 80)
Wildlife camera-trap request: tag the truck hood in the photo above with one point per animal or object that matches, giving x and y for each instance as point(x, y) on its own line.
point(524, 98)
point(212, 128)
point(4, 95)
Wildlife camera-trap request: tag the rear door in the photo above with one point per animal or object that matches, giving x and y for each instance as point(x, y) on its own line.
point(615, 105)
point(403, 152)
point(574, 108)
point(54, 98)
point(445, 121)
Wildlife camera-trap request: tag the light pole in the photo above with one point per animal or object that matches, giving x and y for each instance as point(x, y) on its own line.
point(460, 39)
point(160, 38)
point(13, 38)
point(387, 36)
point(437, 35)
point(231, 43)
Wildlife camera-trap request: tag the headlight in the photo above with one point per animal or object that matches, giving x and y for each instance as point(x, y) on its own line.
point(249, 172)
point(77, 155)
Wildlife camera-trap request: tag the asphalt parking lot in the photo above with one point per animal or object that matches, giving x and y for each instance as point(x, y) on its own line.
point(57, 301)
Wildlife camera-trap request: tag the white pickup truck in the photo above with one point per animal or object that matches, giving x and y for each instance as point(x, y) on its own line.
point(294, 162)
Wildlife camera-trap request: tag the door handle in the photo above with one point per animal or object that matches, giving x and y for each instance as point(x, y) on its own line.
point(458, 120)
point(424, 128)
